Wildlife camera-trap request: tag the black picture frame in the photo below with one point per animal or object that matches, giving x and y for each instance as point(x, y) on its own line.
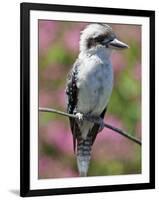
point(25, 9)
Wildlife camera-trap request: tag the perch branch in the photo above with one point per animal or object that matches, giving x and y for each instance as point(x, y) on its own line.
point(121, 132)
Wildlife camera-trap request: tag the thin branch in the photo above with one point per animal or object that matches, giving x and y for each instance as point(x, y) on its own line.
point(57, 112)
point(121, 132)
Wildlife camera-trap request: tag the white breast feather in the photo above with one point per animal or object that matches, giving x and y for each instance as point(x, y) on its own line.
point(95, 81)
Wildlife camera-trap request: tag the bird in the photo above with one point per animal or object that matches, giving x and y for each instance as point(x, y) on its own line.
point(88, 88)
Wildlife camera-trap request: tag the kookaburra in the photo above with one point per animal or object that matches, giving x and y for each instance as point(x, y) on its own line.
point(89, 88)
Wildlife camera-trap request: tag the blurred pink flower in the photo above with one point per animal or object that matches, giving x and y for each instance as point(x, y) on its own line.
point(44, 162)
point(72, 37)
point(47, 32)
point(112, 145)
point(53, 98)
point(132, 32)
point(118, 62)
point(59, 135)
point(45, 99)
point(52, 168)
point(53, 72)
point(135, 33)
point(109, 134)
point(61, 97)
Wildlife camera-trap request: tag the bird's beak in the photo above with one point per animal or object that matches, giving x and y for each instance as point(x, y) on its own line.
point(117, 44)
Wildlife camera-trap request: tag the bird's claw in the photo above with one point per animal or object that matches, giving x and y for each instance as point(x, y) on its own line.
point(79, 117)
point(99, 120)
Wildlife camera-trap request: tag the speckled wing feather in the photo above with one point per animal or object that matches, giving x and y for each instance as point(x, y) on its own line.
point(72, 94)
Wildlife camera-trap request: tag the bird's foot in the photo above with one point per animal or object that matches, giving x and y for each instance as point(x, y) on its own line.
point(80, 117)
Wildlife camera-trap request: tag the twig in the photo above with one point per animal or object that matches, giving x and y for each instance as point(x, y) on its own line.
point(121, 132)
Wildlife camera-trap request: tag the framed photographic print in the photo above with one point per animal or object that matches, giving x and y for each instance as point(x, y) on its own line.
point(87, 99)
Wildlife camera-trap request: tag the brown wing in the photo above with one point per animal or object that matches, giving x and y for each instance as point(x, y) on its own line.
point(72, 94)
point(94, 130)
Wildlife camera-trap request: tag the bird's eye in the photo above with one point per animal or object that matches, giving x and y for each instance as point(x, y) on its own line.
point(100, 38)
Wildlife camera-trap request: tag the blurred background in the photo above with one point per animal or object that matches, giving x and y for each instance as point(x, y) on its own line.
point(112, 154)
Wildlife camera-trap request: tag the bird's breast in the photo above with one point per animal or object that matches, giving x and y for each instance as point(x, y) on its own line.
point(95, 80)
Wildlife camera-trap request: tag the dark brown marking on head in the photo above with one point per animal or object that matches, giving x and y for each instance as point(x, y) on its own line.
point(92, 42)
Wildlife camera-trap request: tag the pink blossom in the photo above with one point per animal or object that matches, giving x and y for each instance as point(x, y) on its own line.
point(72, 37)
point(59, 135)
point(52, 98)
point(112, 145)
point(52, 168)
point(53, 72)
point(44, 162)
point(45, 99)
point(47, 32)
point(61, 97)
point(109, 134)
point(118, 62)
point(127, 31)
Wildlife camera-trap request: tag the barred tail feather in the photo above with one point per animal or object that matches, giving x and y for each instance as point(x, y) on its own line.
point(83, 155)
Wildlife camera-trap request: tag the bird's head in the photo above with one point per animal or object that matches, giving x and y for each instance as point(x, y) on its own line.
point(99, 35)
